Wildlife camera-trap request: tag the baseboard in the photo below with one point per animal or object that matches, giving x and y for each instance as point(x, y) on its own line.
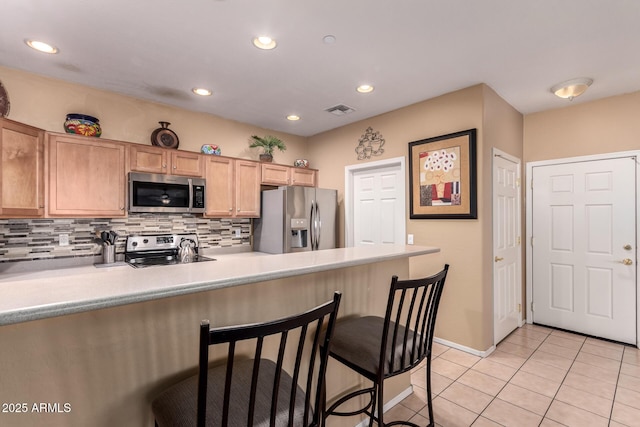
point(465, 348)
point(390, 404)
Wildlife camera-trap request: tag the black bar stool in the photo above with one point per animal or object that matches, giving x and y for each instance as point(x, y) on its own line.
point(379, 348)
point(256, 391)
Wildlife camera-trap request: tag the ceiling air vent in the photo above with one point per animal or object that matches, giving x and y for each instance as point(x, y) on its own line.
point(340, 110)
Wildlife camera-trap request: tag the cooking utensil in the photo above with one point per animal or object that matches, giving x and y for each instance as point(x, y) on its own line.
point(105, 237)
point(113, 236)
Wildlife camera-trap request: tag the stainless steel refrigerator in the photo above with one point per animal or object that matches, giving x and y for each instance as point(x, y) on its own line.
point(296, 219)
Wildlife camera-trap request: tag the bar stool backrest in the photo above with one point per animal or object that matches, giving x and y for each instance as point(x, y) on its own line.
point(410, 322)
point(297, 375)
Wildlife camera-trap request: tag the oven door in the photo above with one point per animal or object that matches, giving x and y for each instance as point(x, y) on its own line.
point(159, 193)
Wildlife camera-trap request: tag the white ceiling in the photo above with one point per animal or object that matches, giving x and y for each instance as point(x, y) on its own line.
point(410, 50)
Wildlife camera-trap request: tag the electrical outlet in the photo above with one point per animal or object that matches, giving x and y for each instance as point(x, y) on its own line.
point(238, 232)
point(409, 239)
point(64, 239)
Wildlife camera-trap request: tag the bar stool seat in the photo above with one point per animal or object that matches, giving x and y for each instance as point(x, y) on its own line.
point(184, 396)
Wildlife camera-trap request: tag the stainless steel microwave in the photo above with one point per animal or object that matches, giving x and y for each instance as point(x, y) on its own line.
point(165, 193)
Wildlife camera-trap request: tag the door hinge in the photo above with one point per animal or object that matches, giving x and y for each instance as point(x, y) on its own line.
point(533, 307)
point(518, 240)
point(519, 308)
point(531, 182)
point(532, 240)
point(517, 182)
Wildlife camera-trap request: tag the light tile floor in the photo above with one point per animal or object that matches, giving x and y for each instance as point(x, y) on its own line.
point(536, 377)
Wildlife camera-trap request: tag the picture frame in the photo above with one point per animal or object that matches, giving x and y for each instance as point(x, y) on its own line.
point(442, 177)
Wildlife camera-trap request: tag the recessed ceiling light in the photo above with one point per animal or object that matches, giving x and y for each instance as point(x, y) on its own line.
point(264, 42)
point(201, 91)
point(41, 46)
point(364, 88)
point(293, 117)
point(329, 39)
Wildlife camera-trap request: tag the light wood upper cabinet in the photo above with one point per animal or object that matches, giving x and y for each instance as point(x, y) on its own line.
point(22, 170)
point(233, 187)
point(273, 174)
point(144, 158)
point(303, 176)
point(86, 176)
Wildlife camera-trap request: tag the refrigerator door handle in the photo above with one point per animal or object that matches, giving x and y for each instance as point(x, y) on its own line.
point(312, 227)
point(318, 226)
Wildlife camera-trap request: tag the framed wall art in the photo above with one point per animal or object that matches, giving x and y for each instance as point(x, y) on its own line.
point(442, 177)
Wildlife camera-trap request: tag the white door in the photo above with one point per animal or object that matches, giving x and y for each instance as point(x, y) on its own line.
point(507, 254)
point(584, 264)
point(375, 203)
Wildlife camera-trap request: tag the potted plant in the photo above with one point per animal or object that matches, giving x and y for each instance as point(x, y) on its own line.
point(267, 143)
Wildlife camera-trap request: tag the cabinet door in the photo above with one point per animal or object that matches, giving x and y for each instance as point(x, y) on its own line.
point(148, 159)
point(187, 164)
point(220, 186)
point(22, 172)
point(86, 177)
point(303, 177)
point(247, 189)
point(275, 174)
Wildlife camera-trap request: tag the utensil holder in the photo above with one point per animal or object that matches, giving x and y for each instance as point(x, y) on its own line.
point(108, 254)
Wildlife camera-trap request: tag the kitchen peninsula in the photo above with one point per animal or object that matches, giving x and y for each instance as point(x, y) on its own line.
point(98, 344)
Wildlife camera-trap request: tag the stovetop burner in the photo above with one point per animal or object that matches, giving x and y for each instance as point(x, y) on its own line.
point(163, 249)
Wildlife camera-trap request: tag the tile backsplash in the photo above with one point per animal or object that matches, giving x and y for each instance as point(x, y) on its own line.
point(32, 239)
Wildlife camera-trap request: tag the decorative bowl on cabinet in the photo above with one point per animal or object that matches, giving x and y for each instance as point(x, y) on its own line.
point(82, 124)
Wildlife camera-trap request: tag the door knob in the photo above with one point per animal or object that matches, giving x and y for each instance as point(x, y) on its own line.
point(627, 247)
point(627, 261)
point(498, 259)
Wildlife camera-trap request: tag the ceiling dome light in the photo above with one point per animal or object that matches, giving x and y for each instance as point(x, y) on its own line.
point(264, 42)
point(293, 117)
point(364, 88)
point(571, 88)
point(41, 46)
point(201, 91)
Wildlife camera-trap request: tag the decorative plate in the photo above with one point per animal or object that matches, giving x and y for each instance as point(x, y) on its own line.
point(165, 137)
point(5, 105)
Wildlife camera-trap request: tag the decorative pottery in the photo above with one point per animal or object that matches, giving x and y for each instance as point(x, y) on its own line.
point(81, 124)
point(211, 149)
point(266, 158)
point(164, 137)
point(5, 105)
point(301, 163)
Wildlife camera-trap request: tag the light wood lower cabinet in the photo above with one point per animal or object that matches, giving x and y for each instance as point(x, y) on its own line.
point(273, 174)
point(233, 188)
point(22, 170)
point(86, 177)
point(143, 158)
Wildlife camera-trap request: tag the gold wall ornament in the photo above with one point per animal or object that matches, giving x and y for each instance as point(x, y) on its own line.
point(370, 143)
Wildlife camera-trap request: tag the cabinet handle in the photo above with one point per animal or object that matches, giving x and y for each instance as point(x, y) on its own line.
point(238, 210)
point(175, 167)
point(230, 209)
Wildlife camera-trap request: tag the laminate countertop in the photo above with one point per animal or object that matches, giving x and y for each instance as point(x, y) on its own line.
point(49, 293)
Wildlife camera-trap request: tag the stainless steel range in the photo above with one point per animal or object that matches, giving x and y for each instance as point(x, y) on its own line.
point(162, 249)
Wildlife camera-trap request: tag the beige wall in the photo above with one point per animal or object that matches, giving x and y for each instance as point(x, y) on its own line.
point(603, 126)
point(44, 102)
point(465, 315)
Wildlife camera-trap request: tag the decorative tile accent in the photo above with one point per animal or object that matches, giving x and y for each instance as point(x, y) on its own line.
point(31, 239)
